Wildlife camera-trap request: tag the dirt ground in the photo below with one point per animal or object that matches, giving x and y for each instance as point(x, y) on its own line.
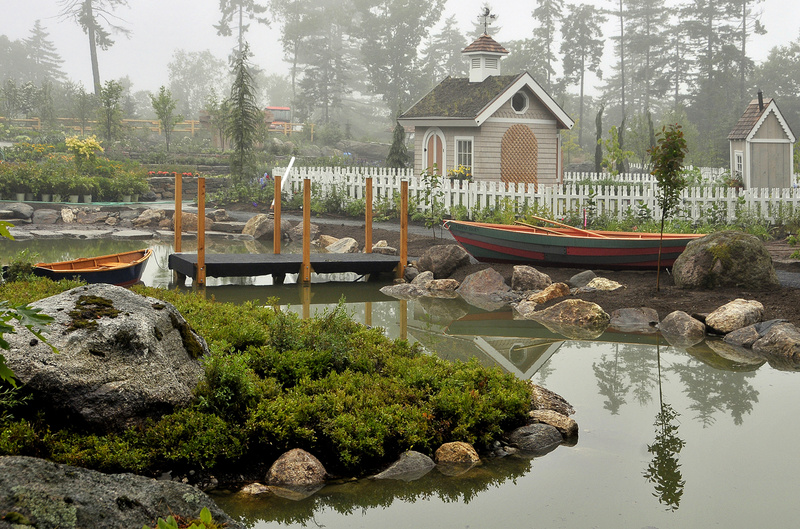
point(640, 286)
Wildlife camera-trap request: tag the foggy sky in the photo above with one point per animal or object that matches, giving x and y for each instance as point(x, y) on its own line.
point(160, 26)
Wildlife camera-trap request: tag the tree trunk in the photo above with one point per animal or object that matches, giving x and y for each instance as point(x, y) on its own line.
point(95, 66)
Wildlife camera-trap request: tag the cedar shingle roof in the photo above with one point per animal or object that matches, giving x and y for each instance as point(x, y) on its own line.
point(748, 120)
point(456, 97)
point(485, 43)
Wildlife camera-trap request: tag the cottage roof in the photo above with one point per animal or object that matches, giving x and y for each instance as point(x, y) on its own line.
point(752, 118)
point(485, 43)
point(459, 102)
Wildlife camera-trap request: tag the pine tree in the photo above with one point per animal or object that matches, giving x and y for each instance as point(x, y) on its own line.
point(45, 61)
point(164, 106)
point(548, 15)
point(582, 48)
point(245, 119)
point(398, 153)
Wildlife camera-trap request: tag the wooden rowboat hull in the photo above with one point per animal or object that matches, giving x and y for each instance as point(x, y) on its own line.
point(122, 269)
point(567, 247)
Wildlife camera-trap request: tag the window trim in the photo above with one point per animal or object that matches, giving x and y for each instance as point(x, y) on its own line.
point(738, 163)
point(456, 160)
point(527, 102)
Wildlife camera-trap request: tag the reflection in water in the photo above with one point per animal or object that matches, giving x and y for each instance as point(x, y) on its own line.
point(611, 382)
point(664, 471)
point(351, 497)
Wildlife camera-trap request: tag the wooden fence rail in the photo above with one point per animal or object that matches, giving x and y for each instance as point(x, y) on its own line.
point(717, 203)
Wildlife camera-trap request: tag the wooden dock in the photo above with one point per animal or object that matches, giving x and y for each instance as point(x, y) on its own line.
point(278, 265)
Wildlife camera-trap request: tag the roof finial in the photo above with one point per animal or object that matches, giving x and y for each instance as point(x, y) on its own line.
point(486, 16)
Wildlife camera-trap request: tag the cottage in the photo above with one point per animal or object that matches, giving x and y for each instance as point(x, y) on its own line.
point(503, 127)
point(762, 146)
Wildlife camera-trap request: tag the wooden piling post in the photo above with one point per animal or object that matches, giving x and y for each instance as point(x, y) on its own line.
point(305, 272)
point(305, 295)
point(201, 232)
point(403, 319)
point(401, 267)
point(178, 217)
point(276, 205)
point(368, 314)
point(368, 219)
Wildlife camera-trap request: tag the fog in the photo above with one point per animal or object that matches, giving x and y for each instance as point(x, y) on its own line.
point(159, 27)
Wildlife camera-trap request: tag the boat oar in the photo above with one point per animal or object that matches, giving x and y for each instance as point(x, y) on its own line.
point(542, 228)
point(587, 232)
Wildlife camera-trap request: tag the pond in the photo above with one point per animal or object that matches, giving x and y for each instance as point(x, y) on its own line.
point(668, 437)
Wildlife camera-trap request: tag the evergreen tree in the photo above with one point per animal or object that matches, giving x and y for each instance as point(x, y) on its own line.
point(97, 20)
point(648, 49)
point(582, 48)
point(164, 106)
point(43, 56)
point(390, 32)
point(244, 119)
point(398, 153)
point(14, 60)
point(110, 110)
point(84, 106)
point(235, 12)
point(548, 15)
point(441, 56)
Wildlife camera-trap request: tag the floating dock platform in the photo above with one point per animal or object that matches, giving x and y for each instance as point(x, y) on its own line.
point(278, 265)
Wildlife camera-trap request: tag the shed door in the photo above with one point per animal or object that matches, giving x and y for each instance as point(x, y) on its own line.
point(434, 150)
point(519, 155)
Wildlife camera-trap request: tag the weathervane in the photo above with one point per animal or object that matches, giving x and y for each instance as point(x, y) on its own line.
point(486, 16)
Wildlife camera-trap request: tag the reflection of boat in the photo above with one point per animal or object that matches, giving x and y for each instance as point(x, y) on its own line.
point(566, 246)
point(123, 269)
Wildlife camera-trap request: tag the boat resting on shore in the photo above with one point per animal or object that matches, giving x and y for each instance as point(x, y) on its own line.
point(123, 269)
point(567, 246)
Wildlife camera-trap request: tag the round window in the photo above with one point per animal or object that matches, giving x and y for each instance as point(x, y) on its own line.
point(519, 102)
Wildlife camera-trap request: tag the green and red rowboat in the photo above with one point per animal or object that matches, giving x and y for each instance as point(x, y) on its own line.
point(566, 246)
point(123, 269)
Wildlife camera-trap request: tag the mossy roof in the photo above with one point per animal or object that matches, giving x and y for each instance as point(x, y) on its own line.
point(456, 97)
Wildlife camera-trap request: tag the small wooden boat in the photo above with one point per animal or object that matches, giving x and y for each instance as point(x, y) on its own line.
point(566, 246)
point(123, 269)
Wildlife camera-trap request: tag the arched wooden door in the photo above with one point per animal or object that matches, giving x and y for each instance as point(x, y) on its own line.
point(519, 156)
point(434, 152)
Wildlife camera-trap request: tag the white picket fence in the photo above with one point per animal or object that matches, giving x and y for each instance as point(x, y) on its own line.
point(722, 203)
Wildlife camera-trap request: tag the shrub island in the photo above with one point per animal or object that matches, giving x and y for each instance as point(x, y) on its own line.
point(273, 382)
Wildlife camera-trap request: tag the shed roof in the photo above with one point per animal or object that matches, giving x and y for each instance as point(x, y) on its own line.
point(749, 119)
point(456, 97)
point(458, 102)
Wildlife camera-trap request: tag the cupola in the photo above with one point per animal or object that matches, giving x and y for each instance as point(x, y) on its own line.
point(484, 57)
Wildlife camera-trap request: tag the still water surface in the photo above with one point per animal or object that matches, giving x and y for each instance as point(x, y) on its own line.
point(668, 437)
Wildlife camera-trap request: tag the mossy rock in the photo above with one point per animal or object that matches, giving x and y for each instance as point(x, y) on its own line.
point(725, 259)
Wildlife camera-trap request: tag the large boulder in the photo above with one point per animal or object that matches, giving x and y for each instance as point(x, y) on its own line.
point(781, 340)
point(456, 452)
point(49, 495)
point(189, 222)
point(412, 465)
point(296, 468)
point(121, 357)
point(344, 245)
point(148, 218)
point(544, 399)
point(20, 210)
point(536, 439)
point(443, 260)
point(528, 278)
point(681, 330)
point(263, 227)
point(725, 259)
point(551, 292)
point(487, 281)
point(564, 424)
point(574, 318)
point(640, 320)
point(735, 315)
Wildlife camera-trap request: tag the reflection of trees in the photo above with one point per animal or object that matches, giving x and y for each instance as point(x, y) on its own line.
point(365, 494)
point(664, 471)
point(628, 368)
point(711, 390)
